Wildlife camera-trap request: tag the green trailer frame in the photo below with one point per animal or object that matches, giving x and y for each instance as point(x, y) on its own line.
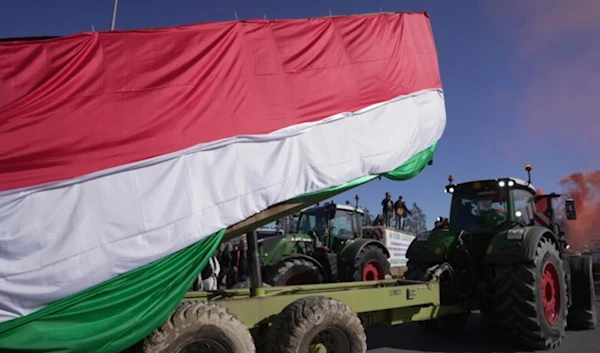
point(389, 301)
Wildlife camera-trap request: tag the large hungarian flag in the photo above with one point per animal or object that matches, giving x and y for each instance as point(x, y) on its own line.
point(124, 155)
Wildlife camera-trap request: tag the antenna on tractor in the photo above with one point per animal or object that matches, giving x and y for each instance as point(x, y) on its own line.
point(356, 197)
point(528, 168)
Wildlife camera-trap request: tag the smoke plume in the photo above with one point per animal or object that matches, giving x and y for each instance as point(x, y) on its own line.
point(584, 188)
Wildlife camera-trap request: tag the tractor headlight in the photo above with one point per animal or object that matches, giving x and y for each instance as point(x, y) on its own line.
point(501, 183)
point(511, 183)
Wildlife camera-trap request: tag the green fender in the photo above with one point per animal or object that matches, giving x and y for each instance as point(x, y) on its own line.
point(431, 246)
point(350, 252)
point(516, 245)
point(276, 249)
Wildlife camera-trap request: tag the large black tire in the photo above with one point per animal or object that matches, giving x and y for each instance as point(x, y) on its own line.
point(314, 320)
point(531, 298)
point(582, 313)
point(294, 272)
point(371, 264)
point(452, 324)
point(415, 270)
point(206, 326)
point(246, 284)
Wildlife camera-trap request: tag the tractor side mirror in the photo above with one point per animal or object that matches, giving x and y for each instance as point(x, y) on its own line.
point(570, 209)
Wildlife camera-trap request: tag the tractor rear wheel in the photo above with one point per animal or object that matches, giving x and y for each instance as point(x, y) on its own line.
point(294, 272)
point(371, 265)
point(453, 324)
point(582, 313)
point(531, 298)
point(415, 270)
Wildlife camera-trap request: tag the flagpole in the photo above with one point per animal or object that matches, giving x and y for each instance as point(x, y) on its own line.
point(114, 15)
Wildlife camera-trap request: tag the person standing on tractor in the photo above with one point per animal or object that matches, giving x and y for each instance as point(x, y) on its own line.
point(388, 209)
point(401, 211)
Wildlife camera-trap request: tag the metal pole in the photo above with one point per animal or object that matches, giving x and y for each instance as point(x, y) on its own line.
point(254, 261)
point(114, 15)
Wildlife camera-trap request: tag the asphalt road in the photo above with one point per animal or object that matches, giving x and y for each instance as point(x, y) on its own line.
point(477, 338)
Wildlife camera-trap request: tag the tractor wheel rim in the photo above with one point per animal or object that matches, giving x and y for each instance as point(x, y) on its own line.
point(550, 291)
point(372, 271)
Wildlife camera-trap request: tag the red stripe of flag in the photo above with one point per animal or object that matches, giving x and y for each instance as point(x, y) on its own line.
point(79, 104)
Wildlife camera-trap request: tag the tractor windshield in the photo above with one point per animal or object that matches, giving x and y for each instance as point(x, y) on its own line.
point(315, 219)
point(479, 205)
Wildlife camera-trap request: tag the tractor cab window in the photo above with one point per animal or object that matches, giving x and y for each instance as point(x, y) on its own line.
point(524, 206)
point(312, 219)
point(482, 206)
point(341, 225)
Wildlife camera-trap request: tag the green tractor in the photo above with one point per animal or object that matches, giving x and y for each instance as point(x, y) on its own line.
point(330, 246)
point(500, 255)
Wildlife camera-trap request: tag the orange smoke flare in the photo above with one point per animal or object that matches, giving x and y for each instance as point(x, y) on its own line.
point(584, 188)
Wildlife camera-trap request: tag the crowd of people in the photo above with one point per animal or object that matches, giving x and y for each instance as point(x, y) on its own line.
point(225, 268)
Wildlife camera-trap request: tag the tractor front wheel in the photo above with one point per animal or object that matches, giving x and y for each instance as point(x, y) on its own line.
point(294, 272)
point(531, 298)
point(371, 265)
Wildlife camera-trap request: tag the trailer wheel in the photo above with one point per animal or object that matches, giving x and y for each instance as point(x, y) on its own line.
point(582, 313)
point(294, 272)
point(203, 327)
point(531, 298)
point(314, 323)
point(371, 265)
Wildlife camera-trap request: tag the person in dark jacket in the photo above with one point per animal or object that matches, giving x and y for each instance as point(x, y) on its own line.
point(225, 260)
point(387, 209)
point(240, 262)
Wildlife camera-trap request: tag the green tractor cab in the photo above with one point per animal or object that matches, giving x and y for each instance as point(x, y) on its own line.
point(329, 246)
point(504, 253)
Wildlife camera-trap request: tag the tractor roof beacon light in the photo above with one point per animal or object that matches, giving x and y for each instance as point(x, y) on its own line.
point(450, 187)
point(528, 168)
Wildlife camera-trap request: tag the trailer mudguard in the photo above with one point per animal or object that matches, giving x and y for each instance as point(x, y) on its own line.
point(431, 246)
point(516, 245)
point(350, 253)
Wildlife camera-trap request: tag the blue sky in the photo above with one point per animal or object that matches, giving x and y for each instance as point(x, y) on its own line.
point(519, 76)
